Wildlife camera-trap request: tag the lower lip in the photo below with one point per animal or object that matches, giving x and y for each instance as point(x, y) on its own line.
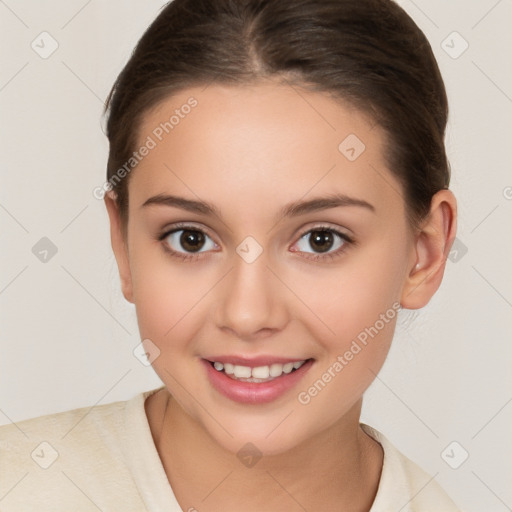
point(253, 392)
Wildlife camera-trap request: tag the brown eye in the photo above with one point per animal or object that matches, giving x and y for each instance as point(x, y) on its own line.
point(188, 240)
point(192, 240)
point(321, 240)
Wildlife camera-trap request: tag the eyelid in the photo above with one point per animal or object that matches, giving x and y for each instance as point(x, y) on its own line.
point(327, 227)
point(184, 225)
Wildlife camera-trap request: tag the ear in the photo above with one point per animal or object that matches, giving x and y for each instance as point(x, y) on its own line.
point(119, 246)
point(432, 247)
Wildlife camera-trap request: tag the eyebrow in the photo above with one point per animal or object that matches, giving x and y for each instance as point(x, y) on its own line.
point(290, 210)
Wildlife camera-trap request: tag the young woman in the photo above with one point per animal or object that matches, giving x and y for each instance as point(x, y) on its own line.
point(277, 189)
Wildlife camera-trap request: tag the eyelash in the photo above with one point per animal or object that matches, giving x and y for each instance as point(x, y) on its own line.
point(316, 257)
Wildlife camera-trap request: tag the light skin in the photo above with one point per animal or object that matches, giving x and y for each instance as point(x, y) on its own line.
point(250, 151)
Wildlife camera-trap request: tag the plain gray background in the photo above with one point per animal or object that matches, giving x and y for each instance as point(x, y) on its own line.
point(67, 335)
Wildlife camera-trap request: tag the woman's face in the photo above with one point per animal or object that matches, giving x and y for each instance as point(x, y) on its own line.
point(266, 279)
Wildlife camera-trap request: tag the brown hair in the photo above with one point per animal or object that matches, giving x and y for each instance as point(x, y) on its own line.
point(367, 52)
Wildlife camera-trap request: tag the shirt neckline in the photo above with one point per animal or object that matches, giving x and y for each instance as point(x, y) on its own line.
point(156, 491)
point(143, 458)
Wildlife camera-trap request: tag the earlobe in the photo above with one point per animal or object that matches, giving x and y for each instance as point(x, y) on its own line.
point(432, 246)
point(119, 246)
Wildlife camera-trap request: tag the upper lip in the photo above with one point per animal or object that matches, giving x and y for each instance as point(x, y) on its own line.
point(255, 361)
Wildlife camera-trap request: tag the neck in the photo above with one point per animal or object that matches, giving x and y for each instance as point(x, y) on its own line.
point(338, 468)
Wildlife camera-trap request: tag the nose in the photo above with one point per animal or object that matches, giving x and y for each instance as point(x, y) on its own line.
point(251, 300)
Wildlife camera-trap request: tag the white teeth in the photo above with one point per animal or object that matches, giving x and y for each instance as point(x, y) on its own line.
point(242, 372)
point(276, 369)
point(261, 372)
point(257, 373)
point(288, 367)
point(228, 368)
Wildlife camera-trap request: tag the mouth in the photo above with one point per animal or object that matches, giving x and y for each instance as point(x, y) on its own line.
point(255, 382)
point(264, 373)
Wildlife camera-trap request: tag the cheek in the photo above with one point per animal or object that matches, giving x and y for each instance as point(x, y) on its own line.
point(167, 296)
point(350, 297)
point(168, 313)
point(363, 322)
point(356, 307)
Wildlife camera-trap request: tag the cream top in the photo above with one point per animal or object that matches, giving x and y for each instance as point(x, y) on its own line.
point(104, 458)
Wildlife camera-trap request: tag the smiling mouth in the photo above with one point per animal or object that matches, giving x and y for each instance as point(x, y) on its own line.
point(257, 374)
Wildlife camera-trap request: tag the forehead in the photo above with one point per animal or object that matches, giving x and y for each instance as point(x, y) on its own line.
point(270, 140)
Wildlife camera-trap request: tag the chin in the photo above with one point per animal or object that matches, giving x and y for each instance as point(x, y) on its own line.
point(267, 437)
